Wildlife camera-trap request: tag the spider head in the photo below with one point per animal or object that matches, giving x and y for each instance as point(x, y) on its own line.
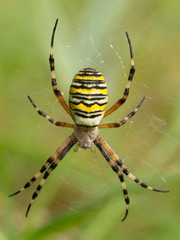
point(85, 135)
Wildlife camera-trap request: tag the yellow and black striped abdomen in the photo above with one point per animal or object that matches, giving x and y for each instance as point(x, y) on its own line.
point(88, 97)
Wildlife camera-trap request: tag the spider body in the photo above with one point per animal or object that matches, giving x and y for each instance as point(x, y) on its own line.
point(87, 107)
point(88, 97)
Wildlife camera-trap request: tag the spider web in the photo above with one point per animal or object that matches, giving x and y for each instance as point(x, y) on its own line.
point(93, 39)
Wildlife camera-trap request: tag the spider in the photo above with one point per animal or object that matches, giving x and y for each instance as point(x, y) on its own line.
point(88, 99)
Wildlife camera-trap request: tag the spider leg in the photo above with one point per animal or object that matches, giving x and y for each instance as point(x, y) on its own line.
point(123, 121)
point(117, 171)
point(63, 150)
point(114, 156)
point(122, 100)
point(35, 194)
point(50, 160)
point(57, 92)
point(51, 120)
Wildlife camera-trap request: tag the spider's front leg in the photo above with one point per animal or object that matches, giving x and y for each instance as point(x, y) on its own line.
point(51, 120)
point(123, 121)
point(122, 100)
point(57, 92)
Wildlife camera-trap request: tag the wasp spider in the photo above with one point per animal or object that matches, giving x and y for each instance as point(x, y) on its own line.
point(88, 99)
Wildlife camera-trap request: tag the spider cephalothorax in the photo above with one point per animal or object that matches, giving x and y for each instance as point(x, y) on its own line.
point(87, 107)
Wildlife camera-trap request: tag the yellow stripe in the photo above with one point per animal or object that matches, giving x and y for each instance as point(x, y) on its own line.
point(81, 106)
point(88, 91)
point(89, 77)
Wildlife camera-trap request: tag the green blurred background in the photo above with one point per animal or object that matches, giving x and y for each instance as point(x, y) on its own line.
point(83, 199)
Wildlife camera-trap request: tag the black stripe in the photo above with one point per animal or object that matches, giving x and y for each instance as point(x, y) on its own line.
point(115, 168)
point(33, 179)
point(92, 112)
point(127, 200)
point(131, 74)
point(121, 101)
point(89, 95)
point(84, 116)
point(132, 71)
point(89, 70)
point(143, 185)
point(125, 170)
point(89, 73)
point(88, 81)
point(54, 82)
point(14, 193)
point(41, 113)
point(126, 92)
point(46, 175)
point(88, 104)
point(52, 67)
point(53, 166)
point(57, 92)
point(28, 209)
point(136, 180)
point(27, 185)
point(125, 191)
point(89, 99)
point(85, 87)
point(51, 59)
point(51, 120)
point(34, 195)
point(39, 187)
point(121, 178)
point(42, 169)
point(123, 121)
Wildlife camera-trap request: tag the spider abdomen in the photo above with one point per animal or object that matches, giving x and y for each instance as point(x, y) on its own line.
point(88, 97)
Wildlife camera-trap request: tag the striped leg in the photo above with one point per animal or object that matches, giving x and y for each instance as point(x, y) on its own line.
point(63, 149)
point(122, 100)
point(51, 120)
point(36, 193)
point(122, 122)
point(57, 92)
point(114, 156)
point(37, 175)
point(117, 171)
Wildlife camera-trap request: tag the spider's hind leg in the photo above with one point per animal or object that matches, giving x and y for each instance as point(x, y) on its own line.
point(36, 193)
point(60, 154)
point(43, 168)
point(52, 162)
point(37, 175)
point(118, 172)
point(123, 168)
